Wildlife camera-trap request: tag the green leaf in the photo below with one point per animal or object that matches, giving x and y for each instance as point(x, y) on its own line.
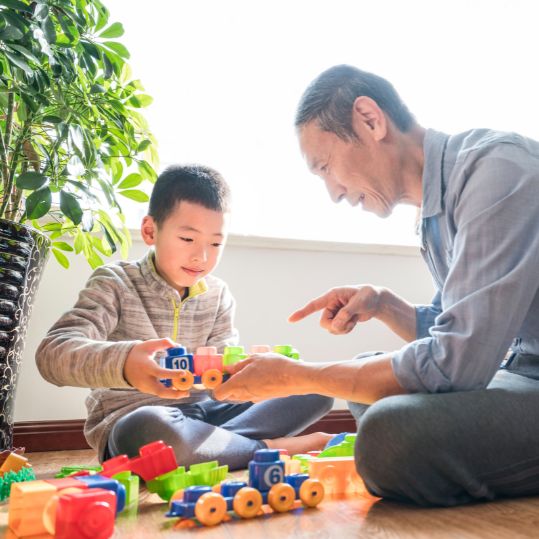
point(147, 170)
point(52, 226)
point(114, 30)
point(131, 181)
point(49, 30)
point(19, 62)
point(80, 242)
point(135, 194)
point(62, 245)
point(117, 170)
point(109, 238)
point(51, 119)
point(93, 258)
point(61, 258)
point(41, 11)
point(31, 180)
point(108, 68)
point(143, 145)
point(38, 203)
point(97, 89)
point(118, 48)
point(69, 204)
point(16, 4)
point(10, 33)
point(140, 100)
point(25, 52)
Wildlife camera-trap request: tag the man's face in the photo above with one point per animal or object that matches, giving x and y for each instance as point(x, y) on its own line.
point(188, 244)
point(358, 171)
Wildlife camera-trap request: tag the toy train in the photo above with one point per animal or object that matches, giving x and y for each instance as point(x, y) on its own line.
point(207, 368)
point(268, 485)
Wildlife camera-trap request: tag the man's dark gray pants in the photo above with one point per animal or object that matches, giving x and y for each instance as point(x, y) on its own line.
point(452, 448)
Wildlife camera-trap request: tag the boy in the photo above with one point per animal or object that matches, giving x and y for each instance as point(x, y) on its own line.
point(131, 310)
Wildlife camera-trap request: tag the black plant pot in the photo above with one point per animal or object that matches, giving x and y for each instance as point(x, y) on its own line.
point(23, 253)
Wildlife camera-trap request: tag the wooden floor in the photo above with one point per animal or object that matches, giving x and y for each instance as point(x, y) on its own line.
point(334, 518)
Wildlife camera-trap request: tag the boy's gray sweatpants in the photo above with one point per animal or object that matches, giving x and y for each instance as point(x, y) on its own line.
point(212, 430)
point(452, 448)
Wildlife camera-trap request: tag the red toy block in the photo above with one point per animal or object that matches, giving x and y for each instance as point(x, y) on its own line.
point(86, 515)
point(66, 482)
point(121, 463)
point(207, 358)
point(155, 459)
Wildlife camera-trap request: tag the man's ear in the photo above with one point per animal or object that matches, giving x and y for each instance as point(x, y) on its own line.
point(368, 117)
point(148, 230)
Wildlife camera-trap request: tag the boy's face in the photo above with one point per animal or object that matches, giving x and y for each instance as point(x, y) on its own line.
point(188, 244)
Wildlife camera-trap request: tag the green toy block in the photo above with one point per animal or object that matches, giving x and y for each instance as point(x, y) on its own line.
point(233, 354)
point(286, 350)
point(69, 470)
point(24, 474)
point(167, 484)
point(344, 449)
point(131, 483)
point(208, 473)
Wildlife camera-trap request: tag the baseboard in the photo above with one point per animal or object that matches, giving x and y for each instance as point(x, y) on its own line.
point(68, 434)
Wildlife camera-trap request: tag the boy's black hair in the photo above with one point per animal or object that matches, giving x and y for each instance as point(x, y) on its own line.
point(192, 183)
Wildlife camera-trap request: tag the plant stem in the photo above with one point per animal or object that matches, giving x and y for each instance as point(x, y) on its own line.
point(13, 166)
point(4, 145)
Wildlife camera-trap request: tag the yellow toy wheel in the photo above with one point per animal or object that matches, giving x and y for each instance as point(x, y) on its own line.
point(210, 508)
point(184, 382)
point(311, 492)
point(212, 378)
point(281, 497)
point(247, 502)
point(49, 511)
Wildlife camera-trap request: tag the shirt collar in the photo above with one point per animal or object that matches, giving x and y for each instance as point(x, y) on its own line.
point(434, 146)
point(157, 283)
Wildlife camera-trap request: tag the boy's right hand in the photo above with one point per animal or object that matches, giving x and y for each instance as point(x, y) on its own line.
point(143, 373)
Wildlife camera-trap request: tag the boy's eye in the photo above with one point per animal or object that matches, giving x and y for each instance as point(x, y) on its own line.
point(186, 239)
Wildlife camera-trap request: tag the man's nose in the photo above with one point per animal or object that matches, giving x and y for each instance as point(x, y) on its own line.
point(336, 191)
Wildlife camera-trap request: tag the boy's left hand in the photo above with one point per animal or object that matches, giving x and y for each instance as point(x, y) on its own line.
point(260, 377)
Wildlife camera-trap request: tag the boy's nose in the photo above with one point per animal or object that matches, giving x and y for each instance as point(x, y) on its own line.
point(200, 255)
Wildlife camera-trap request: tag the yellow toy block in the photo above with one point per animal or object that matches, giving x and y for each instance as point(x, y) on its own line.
point(26, 505)
point(14, 463)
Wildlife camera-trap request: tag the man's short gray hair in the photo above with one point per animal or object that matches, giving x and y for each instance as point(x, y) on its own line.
point(330, 97)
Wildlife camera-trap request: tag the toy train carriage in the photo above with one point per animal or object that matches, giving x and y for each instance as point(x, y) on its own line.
point(268, 485)
point(207, 368)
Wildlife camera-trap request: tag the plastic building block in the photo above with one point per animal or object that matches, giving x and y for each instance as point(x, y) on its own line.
point(131, 484)
point(116, 465)
point(177, 358)
point(155, 459)
point(88, 514)
point(24, 474)
point(74, 470)
point(260, 349)
point(106, 483)
point(303, 459)
point(267, 485)
point(233, 355)
point(343, 449)
point(203, 474)
point(337, 474)
point(286, 350)
point(14, 463)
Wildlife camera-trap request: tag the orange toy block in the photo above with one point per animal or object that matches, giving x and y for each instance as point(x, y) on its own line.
point(338, 475)
point(14, 463)
point(26, 505)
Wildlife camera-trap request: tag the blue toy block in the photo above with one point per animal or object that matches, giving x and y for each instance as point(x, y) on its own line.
point(100, 481)
point(186, 507)
point(177, 358)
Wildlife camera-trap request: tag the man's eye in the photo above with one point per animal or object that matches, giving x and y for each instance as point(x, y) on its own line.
point(216, 244)
point(186, 239)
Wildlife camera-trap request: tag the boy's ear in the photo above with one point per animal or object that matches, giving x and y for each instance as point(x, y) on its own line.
point(148, 230)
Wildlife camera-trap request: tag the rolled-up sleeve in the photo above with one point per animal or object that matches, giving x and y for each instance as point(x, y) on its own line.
point(492, 280)
point(425, 316)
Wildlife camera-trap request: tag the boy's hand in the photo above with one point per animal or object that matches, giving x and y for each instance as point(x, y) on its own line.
point(143, 373)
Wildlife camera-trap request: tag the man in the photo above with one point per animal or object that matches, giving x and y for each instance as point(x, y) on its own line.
point(453, 416)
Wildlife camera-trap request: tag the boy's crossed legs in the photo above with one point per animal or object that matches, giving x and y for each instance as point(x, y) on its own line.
point(229, 433)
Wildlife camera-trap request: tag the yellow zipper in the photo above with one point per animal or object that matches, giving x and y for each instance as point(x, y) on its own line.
point(199, 288)
point(177, 309)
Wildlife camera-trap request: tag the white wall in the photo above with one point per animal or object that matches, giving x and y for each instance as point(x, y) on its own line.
point(270, 279)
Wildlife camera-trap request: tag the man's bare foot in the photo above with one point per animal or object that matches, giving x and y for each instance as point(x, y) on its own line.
point(301, 444)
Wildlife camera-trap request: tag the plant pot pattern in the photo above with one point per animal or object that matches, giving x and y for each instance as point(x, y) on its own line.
point(23, 253)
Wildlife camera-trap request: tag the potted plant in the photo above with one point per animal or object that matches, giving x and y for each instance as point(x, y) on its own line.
point(72, 141)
